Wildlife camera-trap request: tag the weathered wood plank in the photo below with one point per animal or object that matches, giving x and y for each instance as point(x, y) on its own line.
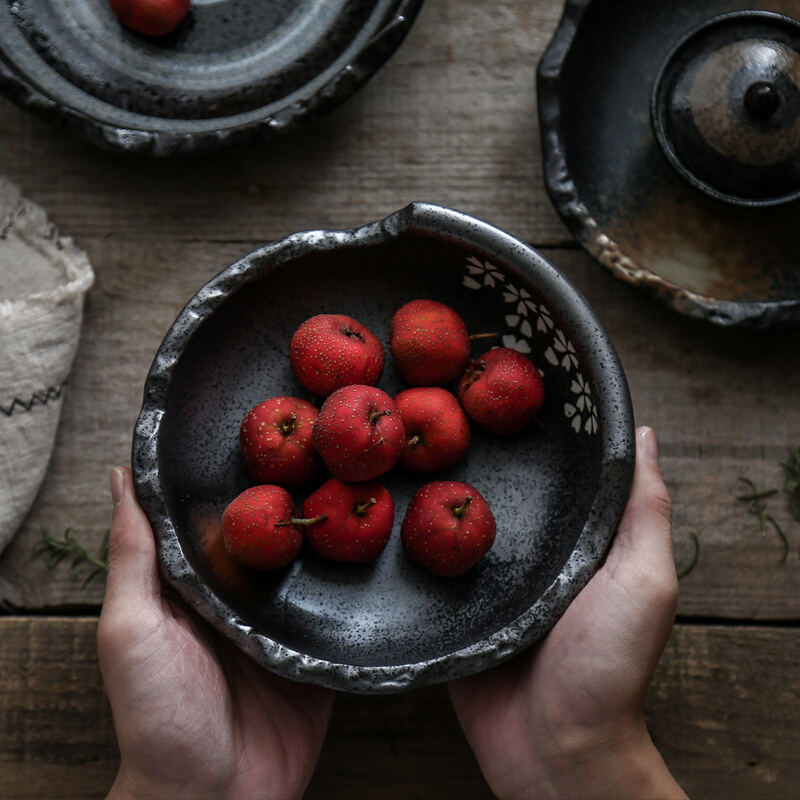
point(721, 410)
point(56, 732)
point(720, 709)
point(451, 118)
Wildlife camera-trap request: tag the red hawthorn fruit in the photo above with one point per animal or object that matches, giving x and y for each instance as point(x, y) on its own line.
point(275, 438)
point(329, 351)
point(353, 520)
point(501, 391)
point(150, 17)
point(448, 527)
point(259, 530)
point(359, 433)
point(429, 343)
point(436, 428)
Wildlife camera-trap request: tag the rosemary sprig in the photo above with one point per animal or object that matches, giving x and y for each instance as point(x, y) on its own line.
point(758, 508)
point(691, 565)
point(791, 471)
point(783, 539)
point(755, 497)
point(84, 567)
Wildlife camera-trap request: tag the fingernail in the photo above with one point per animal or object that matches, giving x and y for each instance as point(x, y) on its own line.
point(117, 485)
point(649, 445)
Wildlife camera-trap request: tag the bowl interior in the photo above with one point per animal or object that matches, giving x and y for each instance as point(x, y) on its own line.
point(541, 485)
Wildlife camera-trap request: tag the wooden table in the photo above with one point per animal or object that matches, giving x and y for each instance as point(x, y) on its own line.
point(450, 119)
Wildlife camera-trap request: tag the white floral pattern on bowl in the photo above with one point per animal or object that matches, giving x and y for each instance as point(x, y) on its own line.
point(526, 318)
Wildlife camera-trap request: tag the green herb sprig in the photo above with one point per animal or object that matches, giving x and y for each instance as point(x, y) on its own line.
point(84, 567)
point(783, 538)
point(691, 565)
point(791, 471)
point(755, 498)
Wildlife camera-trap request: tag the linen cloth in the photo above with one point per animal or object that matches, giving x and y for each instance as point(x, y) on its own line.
point(43, 280)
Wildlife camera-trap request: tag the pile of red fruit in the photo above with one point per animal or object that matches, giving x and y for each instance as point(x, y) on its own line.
point(360, 433)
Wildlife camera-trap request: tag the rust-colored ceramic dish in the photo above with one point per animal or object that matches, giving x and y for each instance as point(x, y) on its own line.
point(688, 220)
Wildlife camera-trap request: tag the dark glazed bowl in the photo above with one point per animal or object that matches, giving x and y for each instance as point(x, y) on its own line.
point(232, 72)
point(557, 490)
point(631, 206)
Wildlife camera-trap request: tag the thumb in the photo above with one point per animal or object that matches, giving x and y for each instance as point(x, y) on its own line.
point(641, 557)
point(645, 530)
point(133, 576)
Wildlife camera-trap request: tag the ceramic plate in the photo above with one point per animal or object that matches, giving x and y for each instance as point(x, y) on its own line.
point(614, 188)
point(233, 71)
point(557, 490)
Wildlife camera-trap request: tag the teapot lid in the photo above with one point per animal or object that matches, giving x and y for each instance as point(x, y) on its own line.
point(725, 108)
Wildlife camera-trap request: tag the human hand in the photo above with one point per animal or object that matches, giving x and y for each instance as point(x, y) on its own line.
point(195, 717)
point(565, 719)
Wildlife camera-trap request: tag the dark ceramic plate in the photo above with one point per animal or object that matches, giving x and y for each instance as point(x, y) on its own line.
point(557, 490)
point(614, 188)
point(233, 71)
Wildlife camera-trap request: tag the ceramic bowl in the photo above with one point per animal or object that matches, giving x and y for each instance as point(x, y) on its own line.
point(233, 71)
point(557, 490)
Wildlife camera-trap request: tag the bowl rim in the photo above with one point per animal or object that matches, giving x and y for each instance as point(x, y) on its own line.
point(616, 429)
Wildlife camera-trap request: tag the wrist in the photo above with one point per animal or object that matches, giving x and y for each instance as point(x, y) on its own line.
point(622, 764)
point(133, 785)
point(129, 786)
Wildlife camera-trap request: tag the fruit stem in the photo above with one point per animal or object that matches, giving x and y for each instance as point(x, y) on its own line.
point(293, 521)
point(362, 509)
point(482, 335)
point(459, 511)
point(288, 427)
point(375, 444)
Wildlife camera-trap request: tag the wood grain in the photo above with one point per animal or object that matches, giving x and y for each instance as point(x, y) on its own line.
point(450, 119)
point(722, 709)
point(722, 706)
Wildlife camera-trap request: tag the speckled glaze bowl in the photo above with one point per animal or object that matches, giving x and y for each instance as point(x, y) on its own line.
point(233, 71)
point(557, 490)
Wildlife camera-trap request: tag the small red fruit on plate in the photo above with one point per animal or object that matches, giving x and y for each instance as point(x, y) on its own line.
point(448, 527)
point(501, 391)
point(359, 433)
point(150, 17)
point(329, 351)
point(353, 520)
point(429, 343)
point(275, 438)
point(437, 430)
point(259, 530)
